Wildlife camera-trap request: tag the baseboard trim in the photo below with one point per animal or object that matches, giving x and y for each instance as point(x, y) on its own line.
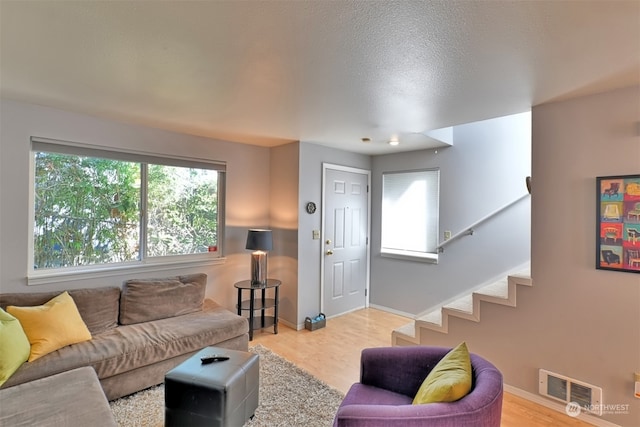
point(345, 312)
point(556, 406)
point(392, 311)
point(291, 325)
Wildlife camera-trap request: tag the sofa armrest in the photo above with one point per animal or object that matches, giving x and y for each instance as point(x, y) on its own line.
point(399, 369)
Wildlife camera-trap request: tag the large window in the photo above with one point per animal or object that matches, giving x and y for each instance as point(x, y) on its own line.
point(95, 207)
point(410, 214)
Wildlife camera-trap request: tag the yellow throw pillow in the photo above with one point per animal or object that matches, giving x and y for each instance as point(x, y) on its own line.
point(449, 380)
point(51, 326)
point(14, 344)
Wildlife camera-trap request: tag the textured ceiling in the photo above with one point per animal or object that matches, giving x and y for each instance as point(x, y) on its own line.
point(327, 72)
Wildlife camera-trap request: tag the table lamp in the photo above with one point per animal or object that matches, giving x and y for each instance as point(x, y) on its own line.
point(259, 241)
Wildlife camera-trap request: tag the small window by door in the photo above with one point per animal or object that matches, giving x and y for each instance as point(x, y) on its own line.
point(410, 206)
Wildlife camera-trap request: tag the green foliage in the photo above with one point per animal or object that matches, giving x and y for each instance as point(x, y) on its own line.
point(183, 210)
point(87, 210)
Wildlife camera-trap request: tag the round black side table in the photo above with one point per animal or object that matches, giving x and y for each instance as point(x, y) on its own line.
point(259, 303)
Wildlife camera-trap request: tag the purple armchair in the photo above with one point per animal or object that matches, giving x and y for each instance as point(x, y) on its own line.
point(390, 378)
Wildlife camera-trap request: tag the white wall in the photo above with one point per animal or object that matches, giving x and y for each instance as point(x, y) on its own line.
point(247, 201)
point(484, 170)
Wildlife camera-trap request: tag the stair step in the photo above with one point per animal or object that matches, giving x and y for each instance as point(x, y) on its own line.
point(409, 330)
point(467, 307)
point(498, 293)
point(432, 320)
point(521, 279)
point(434, 317)
point(406, 332)
point(498, 289)
point(464, 304)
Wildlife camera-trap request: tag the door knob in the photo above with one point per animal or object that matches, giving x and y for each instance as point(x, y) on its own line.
point(330, 252)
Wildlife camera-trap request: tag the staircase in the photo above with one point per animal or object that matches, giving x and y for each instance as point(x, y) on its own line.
point(466, 307)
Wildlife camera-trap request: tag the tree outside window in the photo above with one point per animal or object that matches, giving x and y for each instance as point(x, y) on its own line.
point(90, 210)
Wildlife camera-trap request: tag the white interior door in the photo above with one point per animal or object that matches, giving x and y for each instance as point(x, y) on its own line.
point(345, 239)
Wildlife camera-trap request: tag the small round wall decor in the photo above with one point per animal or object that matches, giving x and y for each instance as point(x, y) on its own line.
point(311, 207)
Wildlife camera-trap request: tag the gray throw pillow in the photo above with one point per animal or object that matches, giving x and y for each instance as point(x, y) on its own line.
point(152, 299)
point(98, 307)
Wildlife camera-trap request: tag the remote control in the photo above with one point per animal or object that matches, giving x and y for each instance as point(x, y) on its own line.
point(213, 358)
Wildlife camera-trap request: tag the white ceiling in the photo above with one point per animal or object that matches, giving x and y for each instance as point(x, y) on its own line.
point(327, 72)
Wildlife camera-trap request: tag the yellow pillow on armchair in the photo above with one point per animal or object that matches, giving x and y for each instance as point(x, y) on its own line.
point(449, 380)
point(51, 326)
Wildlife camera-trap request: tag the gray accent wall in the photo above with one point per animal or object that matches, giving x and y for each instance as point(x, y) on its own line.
point(312, 157)
point(483, 171)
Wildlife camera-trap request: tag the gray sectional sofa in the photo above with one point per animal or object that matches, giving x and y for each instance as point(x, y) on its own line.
point(138, 332)
point(68, 399)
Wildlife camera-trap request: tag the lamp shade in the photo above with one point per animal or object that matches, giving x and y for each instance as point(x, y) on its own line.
point(259, 240)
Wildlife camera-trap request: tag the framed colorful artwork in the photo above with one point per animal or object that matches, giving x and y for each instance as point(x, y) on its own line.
point(618, 223)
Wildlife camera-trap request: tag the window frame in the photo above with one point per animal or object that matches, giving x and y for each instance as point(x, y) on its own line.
point(406, 254)
point(144, 264)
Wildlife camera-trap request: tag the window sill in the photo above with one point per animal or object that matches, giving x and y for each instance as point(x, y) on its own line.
point(428, 258)
point(43, 277)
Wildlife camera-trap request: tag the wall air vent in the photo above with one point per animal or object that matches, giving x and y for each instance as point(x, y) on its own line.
point(568, 390)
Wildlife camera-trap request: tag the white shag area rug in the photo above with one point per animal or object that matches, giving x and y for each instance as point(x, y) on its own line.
point(289, 397)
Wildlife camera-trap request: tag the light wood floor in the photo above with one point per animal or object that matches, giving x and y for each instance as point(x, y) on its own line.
point(332, 354)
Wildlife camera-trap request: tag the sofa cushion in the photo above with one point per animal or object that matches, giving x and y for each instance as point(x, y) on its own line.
point(98, 307)
point(69, 399)
point(146, 300)
point(449, 380)
point(129, 347)
point(51, 326)
point(14, 344)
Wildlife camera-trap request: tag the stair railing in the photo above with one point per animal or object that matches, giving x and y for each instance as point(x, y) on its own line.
point(470, 229)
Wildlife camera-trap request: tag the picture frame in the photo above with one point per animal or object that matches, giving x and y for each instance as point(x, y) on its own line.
point(618, 223)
